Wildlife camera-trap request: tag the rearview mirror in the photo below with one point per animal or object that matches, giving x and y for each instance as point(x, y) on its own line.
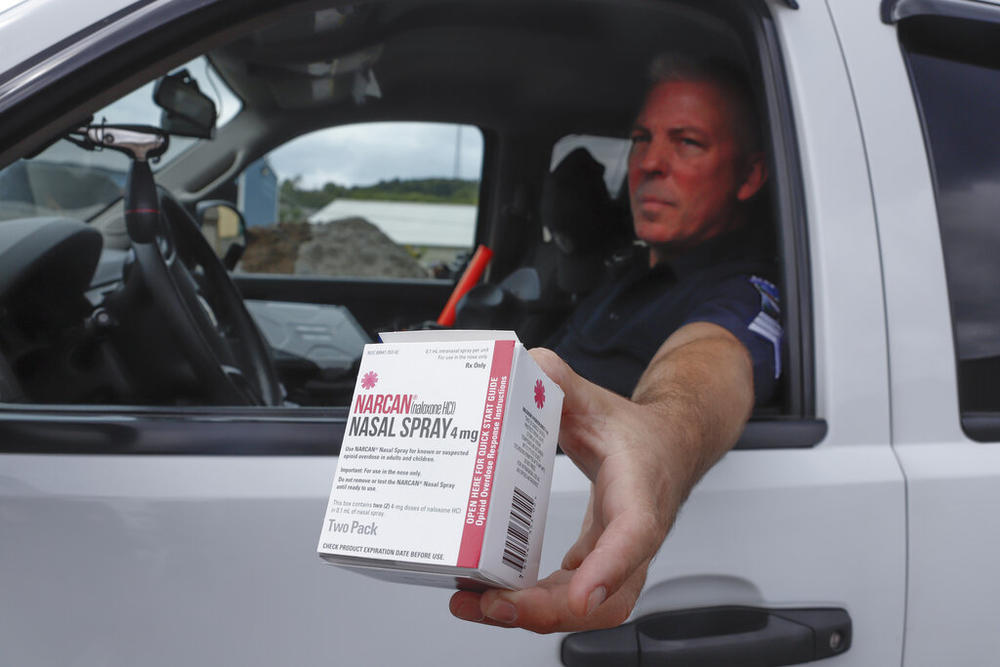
point(187, 111)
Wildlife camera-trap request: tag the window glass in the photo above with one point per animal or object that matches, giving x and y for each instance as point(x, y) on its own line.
point(959, 95)
point(379, 200)
point(67, 180)
point(611, 152)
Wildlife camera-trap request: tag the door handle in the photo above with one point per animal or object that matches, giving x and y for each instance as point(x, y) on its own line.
point(715, 636)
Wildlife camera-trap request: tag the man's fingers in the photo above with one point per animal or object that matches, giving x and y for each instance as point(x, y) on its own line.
point(589, 532)
point(465, 605)
point(582, 397)
point(557, 369)
point(541, 608)
point(626, 546)
point(587, 410)
point(544, 607)
point(470, 606)
point(579, 551)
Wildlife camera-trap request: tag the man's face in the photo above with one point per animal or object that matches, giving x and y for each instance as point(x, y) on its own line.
point(686, 173)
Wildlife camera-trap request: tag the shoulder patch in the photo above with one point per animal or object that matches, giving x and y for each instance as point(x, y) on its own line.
point(770, 301)
point(767, 323)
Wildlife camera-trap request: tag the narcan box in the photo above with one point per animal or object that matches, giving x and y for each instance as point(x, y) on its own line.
point(446, 463)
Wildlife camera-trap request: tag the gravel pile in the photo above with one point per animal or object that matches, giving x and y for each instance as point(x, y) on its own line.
point(346, 247)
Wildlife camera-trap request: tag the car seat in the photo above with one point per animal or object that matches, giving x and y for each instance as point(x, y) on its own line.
point(584, 227)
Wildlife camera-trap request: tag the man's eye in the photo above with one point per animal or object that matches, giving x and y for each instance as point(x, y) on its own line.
point(639, 137)
point(691, 142)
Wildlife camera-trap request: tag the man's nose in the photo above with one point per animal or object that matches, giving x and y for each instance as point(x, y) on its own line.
point(656, 159)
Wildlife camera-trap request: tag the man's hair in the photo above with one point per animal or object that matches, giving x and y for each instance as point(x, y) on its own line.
point(728, 78)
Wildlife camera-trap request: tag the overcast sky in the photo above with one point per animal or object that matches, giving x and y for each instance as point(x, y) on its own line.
point(365, 154)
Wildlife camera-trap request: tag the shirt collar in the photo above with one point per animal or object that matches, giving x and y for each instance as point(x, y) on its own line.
point(747, 242)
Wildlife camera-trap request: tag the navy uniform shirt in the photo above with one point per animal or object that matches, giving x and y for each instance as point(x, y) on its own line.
point(729, 281)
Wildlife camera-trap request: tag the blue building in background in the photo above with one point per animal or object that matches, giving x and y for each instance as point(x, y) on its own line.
point(258, 194)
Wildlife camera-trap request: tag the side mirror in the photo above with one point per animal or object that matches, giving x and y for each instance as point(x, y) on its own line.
point(187, 111)
point(225, 229)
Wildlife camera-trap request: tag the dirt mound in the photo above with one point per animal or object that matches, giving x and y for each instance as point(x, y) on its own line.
point(346, 247)
point(274, 249)
point(355, 247)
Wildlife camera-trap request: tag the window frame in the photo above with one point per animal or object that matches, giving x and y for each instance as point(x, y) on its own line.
point(133, 47)
point(960, 18)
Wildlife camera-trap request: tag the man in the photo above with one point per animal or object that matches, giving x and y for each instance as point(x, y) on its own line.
point(694, 164)
point(696, 159)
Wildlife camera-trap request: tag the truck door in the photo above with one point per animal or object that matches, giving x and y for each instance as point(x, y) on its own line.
point(821, 524)
point(928, 88)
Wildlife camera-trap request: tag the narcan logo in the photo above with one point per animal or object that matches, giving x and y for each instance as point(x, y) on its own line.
point(539, 394)
point(369, 380)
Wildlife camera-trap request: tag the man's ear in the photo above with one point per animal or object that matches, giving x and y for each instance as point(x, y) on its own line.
point(756, 176)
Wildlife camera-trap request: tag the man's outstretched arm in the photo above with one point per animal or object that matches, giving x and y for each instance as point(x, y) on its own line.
point(642, 456)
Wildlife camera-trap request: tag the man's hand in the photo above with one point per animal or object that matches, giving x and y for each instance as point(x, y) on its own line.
point(642, 457)
point(604, 571)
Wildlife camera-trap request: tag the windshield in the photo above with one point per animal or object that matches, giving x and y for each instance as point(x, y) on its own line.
point(66, 180)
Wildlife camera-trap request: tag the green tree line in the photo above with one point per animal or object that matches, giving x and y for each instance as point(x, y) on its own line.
point(429, 190)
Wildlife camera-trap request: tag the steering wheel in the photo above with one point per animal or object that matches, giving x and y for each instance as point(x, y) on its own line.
point(202, 308)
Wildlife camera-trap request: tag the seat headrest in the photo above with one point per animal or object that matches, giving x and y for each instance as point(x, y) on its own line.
point(575, 205)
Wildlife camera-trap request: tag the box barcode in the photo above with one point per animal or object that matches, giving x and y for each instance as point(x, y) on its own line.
point(522, 509)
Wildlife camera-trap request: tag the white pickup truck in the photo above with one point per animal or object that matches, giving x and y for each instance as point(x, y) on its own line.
point(163, 481)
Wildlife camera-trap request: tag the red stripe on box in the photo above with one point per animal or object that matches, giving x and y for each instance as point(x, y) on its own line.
point(479, 500)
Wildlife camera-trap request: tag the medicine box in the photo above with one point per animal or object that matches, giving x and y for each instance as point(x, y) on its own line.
point(446, 463)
